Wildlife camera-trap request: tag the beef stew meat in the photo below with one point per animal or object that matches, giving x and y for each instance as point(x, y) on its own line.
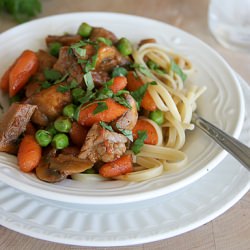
point(13, 124)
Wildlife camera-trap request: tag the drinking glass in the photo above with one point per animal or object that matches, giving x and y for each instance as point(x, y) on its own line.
point(229, 22)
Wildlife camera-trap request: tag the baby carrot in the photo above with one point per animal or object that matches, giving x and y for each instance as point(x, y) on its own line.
point(113, 110)
point(133, 84)
point(25, 66)
point(120, 166)
point(29, 153)
point(143, 125)
point(119, 83)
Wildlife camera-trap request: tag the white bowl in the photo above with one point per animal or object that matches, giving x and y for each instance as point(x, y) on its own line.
point(222, 104)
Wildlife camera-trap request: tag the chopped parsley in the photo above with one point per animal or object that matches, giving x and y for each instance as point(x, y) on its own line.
point(121, 100)
point(101, 106)
point(176, 68)
point(90, 65)
point(81, 52)
point(52, 75)
point(89, 81)
point(50, 80)
point(78, 44)
point(106, 126)
point(105, 41)
point(142, 69)
point(126, 132)
point(139, 142)
point(119, 71)
point(140, 92)
point(65, 88)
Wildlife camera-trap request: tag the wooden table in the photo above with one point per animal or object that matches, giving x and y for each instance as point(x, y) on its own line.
point(228, 231)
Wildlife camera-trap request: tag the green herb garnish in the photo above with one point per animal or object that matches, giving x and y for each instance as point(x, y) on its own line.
point(139, 142)
point(176, 68)
point(121, 100)
point(105, 41)
point(90, 65)
point(119, 71)
point(46, 85)
point(81, 52)
point(106, 126)
point(142, 69)
point(89, 81)
point(126, 132)
point(140, 92)
point(65, 88)
point(52, 75)
point(101, 106)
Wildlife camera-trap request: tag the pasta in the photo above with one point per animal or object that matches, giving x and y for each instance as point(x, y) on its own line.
point(171, 97)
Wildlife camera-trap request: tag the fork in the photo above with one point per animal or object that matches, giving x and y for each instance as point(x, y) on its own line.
point(233, 146)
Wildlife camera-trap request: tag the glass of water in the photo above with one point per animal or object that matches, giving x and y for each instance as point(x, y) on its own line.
point(229, 22)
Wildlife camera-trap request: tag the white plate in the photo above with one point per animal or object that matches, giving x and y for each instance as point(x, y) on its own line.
point(131, 223)
point(223, 102)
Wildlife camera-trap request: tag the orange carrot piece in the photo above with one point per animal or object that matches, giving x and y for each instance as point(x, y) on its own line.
point(143, 125)
point(123, 165)
point(25, 66)
point(4, 83)
point(78, 134)
point(29, 153)
point(133, 84)
point(88, 118)
point(119, 83)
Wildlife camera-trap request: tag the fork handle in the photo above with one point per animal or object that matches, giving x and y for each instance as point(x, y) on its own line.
point(237, 149)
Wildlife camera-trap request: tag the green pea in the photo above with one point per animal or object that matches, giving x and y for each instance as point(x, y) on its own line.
point(77, 93)
point(54, 48)
point(60, 141)
point(43, 137)
point(84, 30)
point(69, 110)
point(51, 129)
point(62, 124)
point(157, 116)
point(124, 46)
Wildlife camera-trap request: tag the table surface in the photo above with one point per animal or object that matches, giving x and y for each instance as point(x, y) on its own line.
point(228, 231)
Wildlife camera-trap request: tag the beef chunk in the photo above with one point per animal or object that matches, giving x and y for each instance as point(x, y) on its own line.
point(65, 40)
point(50, 103)
point(13, 124)
point(67, 63)
point(103, 145)
point(101, 32)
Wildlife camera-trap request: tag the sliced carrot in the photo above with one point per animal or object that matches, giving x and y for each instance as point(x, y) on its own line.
point(4, 83)
point(133, 84)
point(25, 66)
point(113, 111)
point(143, 125)
point(123, 165)
point(29, 153)
point(78, 134)
point(119, 83)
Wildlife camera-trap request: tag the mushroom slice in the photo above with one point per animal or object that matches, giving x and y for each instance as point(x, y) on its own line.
point(58, 168)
